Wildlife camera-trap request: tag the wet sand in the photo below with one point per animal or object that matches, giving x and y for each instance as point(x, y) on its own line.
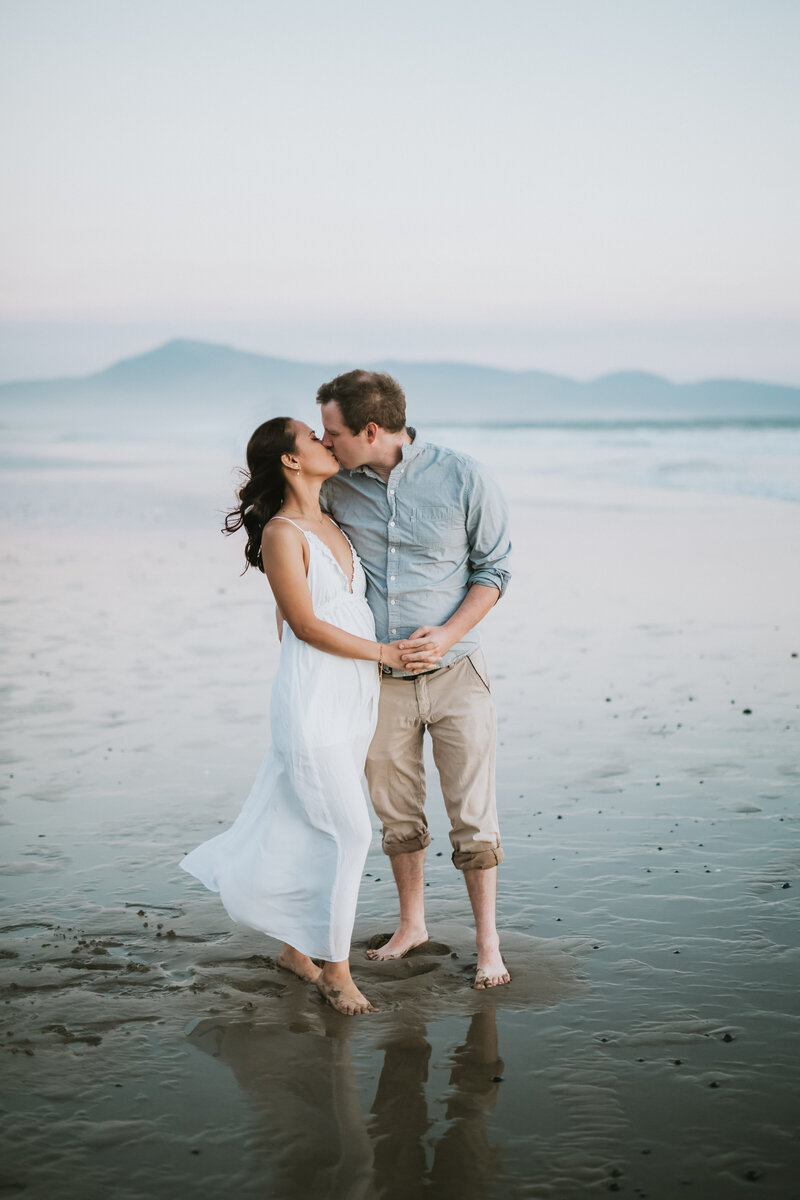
point(647, 683)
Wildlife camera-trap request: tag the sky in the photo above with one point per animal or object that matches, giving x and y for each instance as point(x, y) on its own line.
point(579, 186)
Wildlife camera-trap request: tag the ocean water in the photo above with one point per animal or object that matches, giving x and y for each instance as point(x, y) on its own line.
point(186, 476)
point(750, 460)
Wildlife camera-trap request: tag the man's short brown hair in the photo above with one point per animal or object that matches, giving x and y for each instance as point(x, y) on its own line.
point(365, 396)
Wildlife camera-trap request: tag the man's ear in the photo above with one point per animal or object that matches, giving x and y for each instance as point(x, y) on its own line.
point(371, 430)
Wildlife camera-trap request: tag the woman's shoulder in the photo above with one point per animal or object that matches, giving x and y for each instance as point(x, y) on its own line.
point(281, 533)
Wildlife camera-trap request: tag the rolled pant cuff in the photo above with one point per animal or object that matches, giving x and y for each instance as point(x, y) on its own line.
point(478, 860)
point(408, 846)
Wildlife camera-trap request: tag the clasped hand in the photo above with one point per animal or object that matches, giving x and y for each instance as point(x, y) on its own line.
point(424, 649)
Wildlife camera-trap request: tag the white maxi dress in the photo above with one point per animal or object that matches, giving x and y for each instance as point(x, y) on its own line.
point(291, 863)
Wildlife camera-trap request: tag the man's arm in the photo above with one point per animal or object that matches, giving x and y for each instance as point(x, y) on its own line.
point(489, 557)
point(472, 609)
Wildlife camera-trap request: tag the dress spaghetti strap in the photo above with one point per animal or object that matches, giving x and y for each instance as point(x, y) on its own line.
point(291, 522)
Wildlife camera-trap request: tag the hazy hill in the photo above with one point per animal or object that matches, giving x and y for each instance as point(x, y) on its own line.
point(213, 384)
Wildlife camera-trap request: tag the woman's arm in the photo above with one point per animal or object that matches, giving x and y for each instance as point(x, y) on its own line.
point(284, 552)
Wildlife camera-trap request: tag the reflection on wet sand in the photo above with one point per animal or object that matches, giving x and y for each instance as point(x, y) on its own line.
point(313, 1135)
point(464, 1163)
point(310, 1136)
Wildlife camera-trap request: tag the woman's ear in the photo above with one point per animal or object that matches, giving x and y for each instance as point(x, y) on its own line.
point(290, 462)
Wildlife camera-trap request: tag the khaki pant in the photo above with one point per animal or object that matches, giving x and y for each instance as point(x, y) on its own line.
point(455, 706)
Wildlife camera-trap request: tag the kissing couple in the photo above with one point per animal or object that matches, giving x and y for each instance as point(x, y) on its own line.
point(383, 553)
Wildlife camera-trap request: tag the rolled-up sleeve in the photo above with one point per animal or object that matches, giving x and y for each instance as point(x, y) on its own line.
point(487, 530)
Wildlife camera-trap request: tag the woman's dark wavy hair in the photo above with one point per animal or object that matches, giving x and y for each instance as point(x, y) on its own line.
point(263, 485)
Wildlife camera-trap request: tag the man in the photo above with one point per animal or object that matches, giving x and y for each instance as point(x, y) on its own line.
point(430, 527)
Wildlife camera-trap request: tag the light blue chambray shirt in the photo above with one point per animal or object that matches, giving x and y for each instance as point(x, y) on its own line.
point(438, 525)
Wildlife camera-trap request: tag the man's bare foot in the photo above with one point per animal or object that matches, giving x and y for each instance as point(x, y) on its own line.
point(344, 996)
point(404, 939)
point(491, 971)
point(299, 964)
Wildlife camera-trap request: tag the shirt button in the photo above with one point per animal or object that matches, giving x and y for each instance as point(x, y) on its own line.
point(391, 550)
point(391, 523)
point(394, 631)
point(392, 601)
point(392, 578)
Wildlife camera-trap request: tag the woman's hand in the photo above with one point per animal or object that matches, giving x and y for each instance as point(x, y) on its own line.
point(393, 655)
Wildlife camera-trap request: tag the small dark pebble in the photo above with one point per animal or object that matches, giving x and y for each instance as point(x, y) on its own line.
point(497, 1079)
point(786, 885)
point(727, 1037)
point(194, 1151)
point(171, 933)
point(714, 1084)
point(676, 951)
point(439, 853)
point(616, 1173)
point(677, 1061)
point(140, 912)
point(753, 1174)
point(747, 712)
point(647, 1152)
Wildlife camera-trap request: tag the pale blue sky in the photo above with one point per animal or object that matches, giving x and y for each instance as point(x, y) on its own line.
point(577, 185)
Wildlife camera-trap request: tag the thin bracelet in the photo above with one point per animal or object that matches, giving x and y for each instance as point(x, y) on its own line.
point(380, 660)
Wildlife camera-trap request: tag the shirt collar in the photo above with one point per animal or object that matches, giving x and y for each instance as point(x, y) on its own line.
point(409, 451)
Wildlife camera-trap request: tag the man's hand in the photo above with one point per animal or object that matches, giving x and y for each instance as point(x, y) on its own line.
point(426, 647)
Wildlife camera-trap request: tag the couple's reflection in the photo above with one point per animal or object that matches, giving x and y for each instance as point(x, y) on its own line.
point(313, 1135)
point(464, 1163)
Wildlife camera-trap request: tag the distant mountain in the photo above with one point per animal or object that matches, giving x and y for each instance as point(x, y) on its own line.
point(211, 383)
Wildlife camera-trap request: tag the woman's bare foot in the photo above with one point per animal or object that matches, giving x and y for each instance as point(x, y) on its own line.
point(299, 964)
point(405, 938)
point(336, 985)
point(491, 971)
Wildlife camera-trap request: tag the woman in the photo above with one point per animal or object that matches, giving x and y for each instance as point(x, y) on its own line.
point(291, 863)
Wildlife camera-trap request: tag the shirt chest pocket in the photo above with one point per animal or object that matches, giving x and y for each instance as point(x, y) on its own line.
point(440, 528)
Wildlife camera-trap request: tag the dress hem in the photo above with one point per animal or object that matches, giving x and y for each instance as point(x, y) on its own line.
point(262, 928)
